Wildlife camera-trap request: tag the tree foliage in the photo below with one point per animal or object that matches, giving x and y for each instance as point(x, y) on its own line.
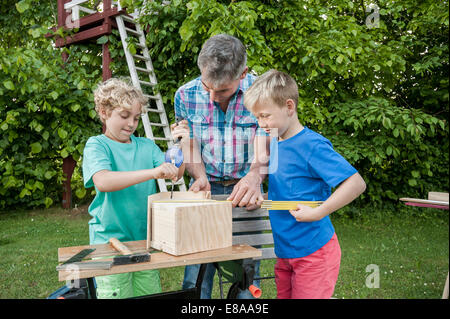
point(45, 105)
point(374, 80)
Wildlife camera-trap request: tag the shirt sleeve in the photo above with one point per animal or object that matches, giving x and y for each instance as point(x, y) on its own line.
point(95, 158)
point(180, 108)
point(325, 163)
point(158, 156)
point(179, 105)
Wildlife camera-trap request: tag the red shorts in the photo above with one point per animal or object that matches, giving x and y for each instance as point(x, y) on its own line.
point(310, 277)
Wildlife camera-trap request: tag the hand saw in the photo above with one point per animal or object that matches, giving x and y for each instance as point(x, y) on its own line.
point(75, 262)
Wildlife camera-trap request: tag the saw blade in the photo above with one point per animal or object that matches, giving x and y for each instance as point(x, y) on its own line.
point(78, 256)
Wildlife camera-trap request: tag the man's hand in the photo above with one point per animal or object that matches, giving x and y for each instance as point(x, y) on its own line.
point(200, 184)
point(247, 192)
point(180, 129)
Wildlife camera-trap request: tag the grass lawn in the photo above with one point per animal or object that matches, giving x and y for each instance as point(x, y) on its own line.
point(409, 252)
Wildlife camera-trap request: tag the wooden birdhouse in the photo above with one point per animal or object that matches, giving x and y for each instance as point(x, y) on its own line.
point(188, 223)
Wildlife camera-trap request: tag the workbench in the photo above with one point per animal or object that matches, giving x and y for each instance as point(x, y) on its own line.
point(158, 260)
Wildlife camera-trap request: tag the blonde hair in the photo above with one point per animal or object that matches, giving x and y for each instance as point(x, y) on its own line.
point(276, 85)
point(118, 93)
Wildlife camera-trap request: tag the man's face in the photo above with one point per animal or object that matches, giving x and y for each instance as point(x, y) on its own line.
point(223, 93)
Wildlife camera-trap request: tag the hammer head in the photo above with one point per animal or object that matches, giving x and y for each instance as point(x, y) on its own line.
point(131, 259)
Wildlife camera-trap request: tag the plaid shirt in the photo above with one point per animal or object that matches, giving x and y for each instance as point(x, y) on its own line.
point(225, 139)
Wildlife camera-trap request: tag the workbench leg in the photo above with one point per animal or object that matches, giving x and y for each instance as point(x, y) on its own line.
point(91, 287)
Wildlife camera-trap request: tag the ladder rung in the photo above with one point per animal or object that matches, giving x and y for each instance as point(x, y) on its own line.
point(134, 32)
point(147, 83)
point(143, 70)
point(154, 110)
point(128, 19)
point(158, 124)
point(151, 97)
point(142, 46)
point(161, 138)
point(141, 57)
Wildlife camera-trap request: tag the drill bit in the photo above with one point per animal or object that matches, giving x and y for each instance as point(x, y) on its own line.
point(173, 184)
point(174, 153)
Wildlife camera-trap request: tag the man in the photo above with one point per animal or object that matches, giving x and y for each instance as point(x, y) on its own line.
point(228, 149)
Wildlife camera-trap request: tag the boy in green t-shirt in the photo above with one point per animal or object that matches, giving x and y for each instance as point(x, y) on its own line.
point(123, 169)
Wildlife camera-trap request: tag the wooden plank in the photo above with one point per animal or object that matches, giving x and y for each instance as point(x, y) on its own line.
point(224, 197)
point(84, 22)
point(73, 3)
point(163, 260)
point(439, 196)
point(254, 239)
point(84, 35)
point(242, 212)
point(251, 225)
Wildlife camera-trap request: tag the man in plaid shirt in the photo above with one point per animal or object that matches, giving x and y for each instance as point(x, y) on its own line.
point(228, 149)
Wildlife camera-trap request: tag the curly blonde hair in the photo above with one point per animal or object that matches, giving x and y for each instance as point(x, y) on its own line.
point(118, 93)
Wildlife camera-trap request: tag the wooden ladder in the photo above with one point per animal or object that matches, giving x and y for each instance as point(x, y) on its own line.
point(143, 77)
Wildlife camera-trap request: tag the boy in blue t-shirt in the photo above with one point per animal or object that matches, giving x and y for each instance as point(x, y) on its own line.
point(123, 169)
point(303, 167)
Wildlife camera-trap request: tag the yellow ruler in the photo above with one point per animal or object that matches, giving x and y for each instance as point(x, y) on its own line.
point(266, 204)
point(287, 205)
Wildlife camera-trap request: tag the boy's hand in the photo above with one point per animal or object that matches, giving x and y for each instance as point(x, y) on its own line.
point(306, 214)
point(167, 171)
point(180, 130)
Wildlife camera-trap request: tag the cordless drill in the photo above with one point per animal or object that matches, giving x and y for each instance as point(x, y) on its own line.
point(174, 155)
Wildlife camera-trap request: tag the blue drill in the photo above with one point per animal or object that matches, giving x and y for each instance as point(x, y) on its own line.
point(174, 155)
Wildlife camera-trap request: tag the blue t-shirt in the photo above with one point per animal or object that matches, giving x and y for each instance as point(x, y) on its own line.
point(121, 214)
point(303, 168)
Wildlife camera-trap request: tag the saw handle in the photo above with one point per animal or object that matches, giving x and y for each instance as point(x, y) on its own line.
point(120, 247)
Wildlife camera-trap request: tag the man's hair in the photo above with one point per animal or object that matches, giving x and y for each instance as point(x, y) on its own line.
point(273, 84)
point(223, 58)
point(118, 93)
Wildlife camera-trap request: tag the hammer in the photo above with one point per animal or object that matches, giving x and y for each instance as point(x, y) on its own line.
point(127, 255)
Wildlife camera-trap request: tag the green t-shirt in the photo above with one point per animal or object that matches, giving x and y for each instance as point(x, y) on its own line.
point(121, 214)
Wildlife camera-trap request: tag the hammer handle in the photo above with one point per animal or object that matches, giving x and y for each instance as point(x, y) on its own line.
point(120, 247)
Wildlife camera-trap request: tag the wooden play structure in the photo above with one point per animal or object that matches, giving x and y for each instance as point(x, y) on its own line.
point(93, 21)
